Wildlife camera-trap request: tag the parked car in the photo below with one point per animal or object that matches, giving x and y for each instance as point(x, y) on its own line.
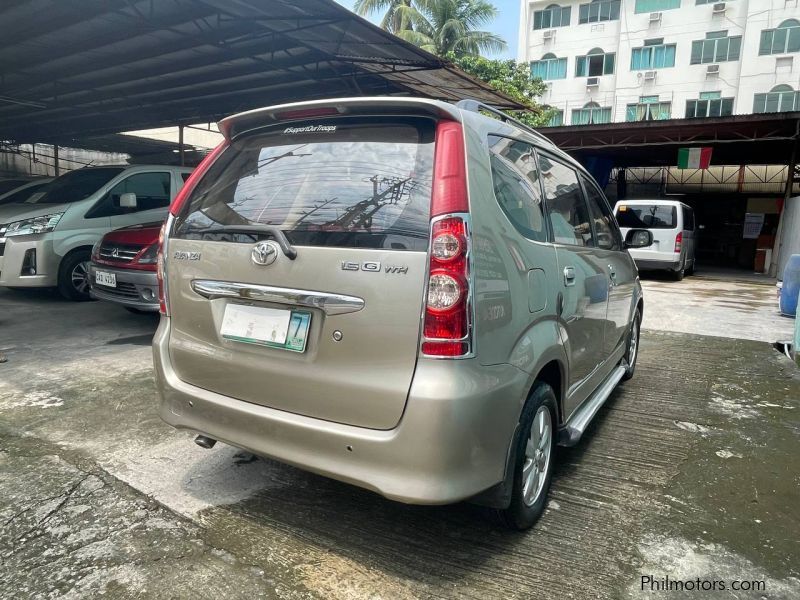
point(47, 240)
point(398, 293)
point(22, 190)
point(674, 232)
point(123, 267)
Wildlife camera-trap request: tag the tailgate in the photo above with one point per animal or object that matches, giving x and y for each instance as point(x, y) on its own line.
point(353, 200)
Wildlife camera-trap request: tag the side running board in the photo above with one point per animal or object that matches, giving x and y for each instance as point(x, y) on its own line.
point(571, 434)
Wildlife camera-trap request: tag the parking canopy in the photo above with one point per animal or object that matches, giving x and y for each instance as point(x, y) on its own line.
point(89, 67)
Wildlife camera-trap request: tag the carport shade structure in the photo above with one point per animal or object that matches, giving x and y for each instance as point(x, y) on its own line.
point(76, 69)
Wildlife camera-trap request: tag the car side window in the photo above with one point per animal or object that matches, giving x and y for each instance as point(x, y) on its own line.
point(566, 207)
point(516, 186)
point(152, 191)
point(688, 218)
point(605, 229)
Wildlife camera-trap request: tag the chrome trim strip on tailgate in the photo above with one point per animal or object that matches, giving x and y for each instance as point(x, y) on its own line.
point(330, 304)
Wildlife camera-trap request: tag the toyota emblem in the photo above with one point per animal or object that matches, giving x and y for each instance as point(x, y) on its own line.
point(264, 253)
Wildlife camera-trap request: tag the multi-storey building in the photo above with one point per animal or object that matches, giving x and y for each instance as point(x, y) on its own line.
point(629, 60)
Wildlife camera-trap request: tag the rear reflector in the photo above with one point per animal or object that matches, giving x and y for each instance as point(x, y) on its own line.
point(197, 174)
point(449, 171)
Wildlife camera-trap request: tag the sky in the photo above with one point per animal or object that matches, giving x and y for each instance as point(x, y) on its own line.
point(506, 25)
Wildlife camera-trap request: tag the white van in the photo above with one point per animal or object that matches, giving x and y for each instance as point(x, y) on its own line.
point(46, 240)
point(674, 232)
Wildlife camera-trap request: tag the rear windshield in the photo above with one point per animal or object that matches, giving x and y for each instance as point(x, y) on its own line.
point(345, 183)
point(647, 216)
point(75, 185)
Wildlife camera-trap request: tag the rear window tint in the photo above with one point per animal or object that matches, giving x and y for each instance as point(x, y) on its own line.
point(647, 216)
point(345, 183)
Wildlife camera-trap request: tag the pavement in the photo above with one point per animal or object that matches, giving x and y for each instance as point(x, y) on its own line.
point(689, 471)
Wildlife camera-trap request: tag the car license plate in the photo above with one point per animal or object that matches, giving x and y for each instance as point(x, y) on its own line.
point(287, 329)
point(105, 278)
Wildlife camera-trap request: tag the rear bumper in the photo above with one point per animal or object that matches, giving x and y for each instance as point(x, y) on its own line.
point(135, 289)
point(657, 265)
point(14, 250)
point(451, 443)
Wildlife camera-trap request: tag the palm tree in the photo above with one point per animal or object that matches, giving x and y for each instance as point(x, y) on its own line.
point(450, 26)
point(439, 26)
point(392, 20)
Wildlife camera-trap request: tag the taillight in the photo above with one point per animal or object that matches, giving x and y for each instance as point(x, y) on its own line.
point(678, 241)
point(447, 325)
point(163, 307)
point(197, 174)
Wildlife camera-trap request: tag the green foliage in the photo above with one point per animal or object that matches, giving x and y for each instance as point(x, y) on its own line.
point(450, 28)
point(511, 78)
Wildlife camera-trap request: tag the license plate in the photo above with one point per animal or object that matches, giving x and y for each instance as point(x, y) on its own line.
point(287, 329)
point(104, 278)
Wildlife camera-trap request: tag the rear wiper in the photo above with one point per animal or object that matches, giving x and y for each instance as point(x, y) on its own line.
point(273, 230)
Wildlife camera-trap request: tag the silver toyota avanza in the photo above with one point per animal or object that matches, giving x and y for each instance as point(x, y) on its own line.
point(414, 297)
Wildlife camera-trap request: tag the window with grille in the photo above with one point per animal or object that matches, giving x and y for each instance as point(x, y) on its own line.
point(710, 104)
point(649, 108)
point(556, 119)
point(591, 114)
point(598, 10)
point(785, 38)
point(717, 47)
point(552, 16)
point(594, 64)
point(653, 55)
point(781, 98)
point(549, 67)
point(646, 6)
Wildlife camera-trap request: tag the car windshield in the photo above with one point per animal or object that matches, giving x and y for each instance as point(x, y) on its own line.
point(23, 194)
point(9, 184)
point(647, 216)
point(74, 186)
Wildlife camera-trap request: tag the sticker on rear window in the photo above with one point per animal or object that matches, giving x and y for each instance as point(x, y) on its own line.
point(311, 129)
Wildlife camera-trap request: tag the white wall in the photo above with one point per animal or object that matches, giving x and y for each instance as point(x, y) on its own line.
point(741, 79)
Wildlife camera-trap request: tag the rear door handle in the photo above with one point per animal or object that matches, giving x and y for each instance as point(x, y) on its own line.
point(569, 276)
point(612, 274)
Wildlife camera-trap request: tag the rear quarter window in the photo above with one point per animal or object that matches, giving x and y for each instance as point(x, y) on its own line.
point(647, 216)
point(344, 182)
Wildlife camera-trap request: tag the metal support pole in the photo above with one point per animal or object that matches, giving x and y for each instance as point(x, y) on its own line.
point(55, 160)
point(180, 145)
point(787, 193)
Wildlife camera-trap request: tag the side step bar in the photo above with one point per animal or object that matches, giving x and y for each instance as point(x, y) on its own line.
point(572, 432)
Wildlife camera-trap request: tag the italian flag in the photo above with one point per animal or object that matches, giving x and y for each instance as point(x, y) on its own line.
point(694, 158)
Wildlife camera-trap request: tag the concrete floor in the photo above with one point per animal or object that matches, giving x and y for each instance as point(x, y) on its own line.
point(690, 470)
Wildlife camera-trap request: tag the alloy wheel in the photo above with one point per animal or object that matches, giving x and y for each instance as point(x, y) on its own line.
point(80, 277)
point(537, 456)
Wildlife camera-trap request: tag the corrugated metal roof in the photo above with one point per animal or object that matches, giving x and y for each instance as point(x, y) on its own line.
point(72, 69)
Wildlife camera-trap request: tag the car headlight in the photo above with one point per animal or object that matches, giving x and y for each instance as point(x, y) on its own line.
point(148, 257)
point(41, 224)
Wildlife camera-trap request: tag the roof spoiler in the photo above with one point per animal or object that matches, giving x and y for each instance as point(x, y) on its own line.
point(236, 125)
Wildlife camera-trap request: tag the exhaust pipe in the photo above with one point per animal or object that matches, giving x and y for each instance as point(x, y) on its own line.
point(205, 442)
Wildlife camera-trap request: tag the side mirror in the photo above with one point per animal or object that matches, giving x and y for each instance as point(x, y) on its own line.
point(127, 200)
point(638, 238)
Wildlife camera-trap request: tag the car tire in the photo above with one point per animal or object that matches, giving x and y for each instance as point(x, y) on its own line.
point(73, 276)
point(690, 270)
point(632, 345)
point(534, 457)
point(678, 274)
